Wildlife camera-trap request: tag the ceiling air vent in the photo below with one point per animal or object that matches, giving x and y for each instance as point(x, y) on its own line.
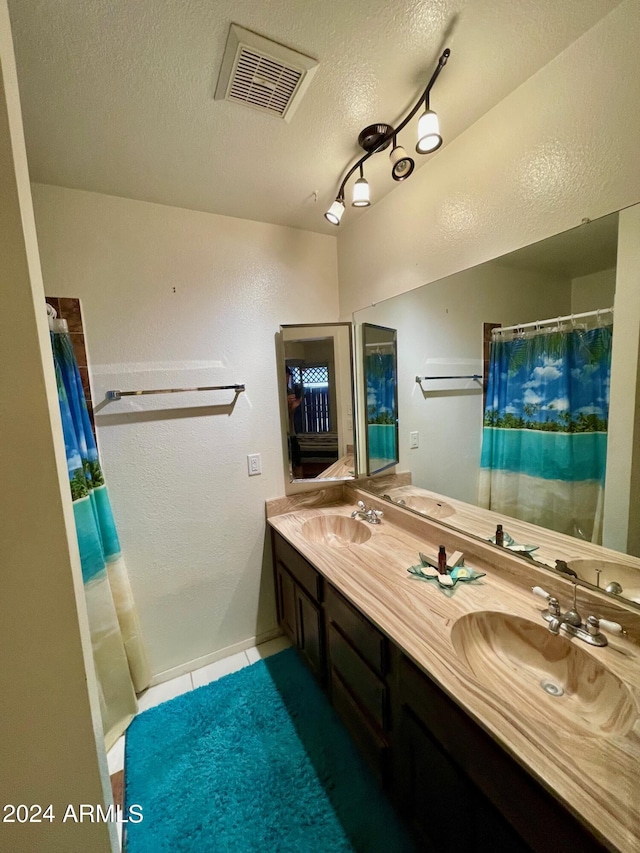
point(263, 74)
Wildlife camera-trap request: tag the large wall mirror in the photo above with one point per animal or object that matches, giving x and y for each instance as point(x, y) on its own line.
point(531, 422)
point(316, 383)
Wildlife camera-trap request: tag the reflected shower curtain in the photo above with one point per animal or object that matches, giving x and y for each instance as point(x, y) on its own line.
point(380, 370)
point(119, 655)
point(544, 441)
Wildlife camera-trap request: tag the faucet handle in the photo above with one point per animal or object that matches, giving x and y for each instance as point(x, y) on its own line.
point(378, 512)
point(595, 625)
point(611, 627)
point(553, 603)
point(361, 505)
point(541, 593)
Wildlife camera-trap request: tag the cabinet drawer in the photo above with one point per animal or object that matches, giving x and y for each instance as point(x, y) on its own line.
point(373, 748)
point(303, 572)
point(370, 643)
point(366, 689)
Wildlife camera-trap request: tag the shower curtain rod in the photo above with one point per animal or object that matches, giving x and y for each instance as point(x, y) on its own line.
point(499, 329)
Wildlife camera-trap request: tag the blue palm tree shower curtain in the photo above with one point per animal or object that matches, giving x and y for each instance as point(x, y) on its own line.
point(119, 655)
point(545, 429)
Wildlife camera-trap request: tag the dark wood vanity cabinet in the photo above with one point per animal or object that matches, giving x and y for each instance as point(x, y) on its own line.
point(499, 805)
point(455, 786)
point(299, 592)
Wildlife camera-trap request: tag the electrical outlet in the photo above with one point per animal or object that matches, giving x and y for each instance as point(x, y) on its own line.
point(254, 464)
point(414, 440)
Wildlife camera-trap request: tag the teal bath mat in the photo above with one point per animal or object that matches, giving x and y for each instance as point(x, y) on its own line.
point(257, 761)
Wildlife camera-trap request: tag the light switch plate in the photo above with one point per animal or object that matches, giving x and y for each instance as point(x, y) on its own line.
point(254, 464)
point(414, 440)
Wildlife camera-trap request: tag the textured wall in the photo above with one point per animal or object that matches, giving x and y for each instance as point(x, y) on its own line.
point(172, 297)
point(561, 147)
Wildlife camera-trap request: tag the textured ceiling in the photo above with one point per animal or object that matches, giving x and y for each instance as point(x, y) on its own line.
point(117, 95)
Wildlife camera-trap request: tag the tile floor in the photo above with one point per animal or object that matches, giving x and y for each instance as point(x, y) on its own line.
point(184, 683)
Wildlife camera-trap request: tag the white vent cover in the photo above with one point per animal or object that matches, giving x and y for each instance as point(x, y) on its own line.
point(262, 74)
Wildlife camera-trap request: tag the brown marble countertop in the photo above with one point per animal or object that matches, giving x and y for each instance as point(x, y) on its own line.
point(594, 773)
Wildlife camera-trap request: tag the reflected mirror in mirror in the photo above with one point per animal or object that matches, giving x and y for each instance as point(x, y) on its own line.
point(534, 423)
point(380, 406)
point(316, 381)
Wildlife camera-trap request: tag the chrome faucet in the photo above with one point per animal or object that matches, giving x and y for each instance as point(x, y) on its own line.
point(398, 501)
point(369, 514)
point(571, 622)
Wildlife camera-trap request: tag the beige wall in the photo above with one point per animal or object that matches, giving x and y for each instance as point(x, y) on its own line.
point(51, 748)
point(591, 292)
point(621, 529)
point(562, 147)
point(177, 298)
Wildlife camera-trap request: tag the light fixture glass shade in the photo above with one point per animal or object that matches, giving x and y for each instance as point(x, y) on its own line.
point(429, 138)
point(401, 164)
point(361, 193)
point(334, 214)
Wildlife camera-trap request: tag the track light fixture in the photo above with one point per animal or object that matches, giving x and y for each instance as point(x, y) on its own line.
point(334, 214)
point(401, 164)
point(361, 191)
point(378, 137)
point(429, 138)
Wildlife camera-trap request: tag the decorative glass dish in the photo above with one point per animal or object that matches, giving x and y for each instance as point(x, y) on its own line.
point(510, 543)
point(447, 581)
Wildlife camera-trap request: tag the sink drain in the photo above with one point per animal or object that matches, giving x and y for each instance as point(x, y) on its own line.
point(551, 687)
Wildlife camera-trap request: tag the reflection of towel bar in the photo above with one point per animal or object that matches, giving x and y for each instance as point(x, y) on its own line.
point(116, 395)
point(470, 376)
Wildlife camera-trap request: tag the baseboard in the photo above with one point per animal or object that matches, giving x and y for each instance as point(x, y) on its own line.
point(227, 651)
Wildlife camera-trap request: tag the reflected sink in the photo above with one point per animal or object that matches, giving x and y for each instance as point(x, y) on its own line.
point(552, 676)
point(426, 505)
point(335, 530)
point(626, 577)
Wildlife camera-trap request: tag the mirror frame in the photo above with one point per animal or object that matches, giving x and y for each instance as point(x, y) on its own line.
point(365, 408)
point(284, 409)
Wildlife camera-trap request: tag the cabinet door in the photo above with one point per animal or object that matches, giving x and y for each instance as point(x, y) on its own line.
point(435, 797)
point(310, 635)
point(286, 599)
